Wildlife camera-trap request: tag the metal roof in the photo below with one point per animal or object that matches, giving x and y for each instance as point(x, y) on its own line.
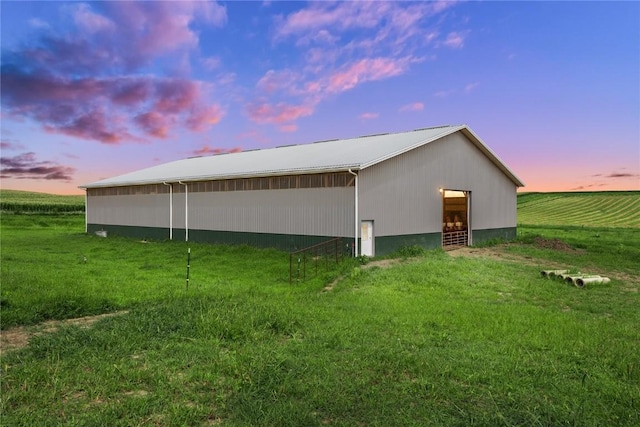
point(325, 156)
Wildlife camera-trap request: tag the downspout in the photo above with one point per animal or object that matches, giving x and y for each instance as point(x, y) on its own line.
point(186, 211)
point(355, 219)
point(170, 209)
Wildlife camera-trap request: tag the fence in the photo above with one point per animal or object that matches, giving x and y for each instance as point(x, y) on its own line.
point(308, 260)
point(454, 239)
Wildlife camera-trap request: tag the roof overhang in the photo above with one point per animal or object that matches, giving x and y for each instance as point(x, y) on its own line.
point(213, 177)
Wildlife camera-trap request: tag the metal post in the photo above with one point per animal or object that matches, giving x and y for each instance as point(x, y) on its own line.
point(188, 265)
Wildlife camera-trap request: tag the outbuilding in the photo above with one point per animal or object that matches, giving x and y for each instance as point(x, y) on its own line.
point(432, 187)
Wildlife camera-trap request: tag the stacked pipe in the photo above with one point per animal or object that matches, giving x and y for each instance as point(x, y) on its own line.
point(577, 279)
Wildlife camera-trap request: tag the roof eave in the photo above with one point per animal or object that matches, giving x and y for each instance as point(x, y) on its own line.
point(261, 174)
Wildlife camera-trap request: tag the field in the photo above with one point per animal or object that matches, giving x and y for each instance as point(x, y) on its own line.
point(15, 201)
point(597, 209)
point(471, 337)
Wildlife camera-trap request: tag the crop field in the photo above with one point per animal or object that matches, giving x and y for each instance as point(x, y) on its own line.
point(474, 337)
point(597, 209)
point(14, 201)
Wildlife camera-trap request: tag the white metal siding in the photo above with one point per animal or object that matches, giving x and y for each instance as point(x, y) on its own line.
point(313, 211)
point(401, 194)
point(148, 210)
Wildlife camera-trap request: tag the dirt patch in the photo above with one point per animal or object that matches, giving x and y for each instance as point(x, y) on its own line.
point(383, 263)
point(497, 253)
point(17, 338)
point(555, 244)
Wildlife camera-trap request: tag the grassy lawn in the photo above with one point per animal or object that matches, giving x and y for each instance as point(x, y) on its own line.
point(431, 340)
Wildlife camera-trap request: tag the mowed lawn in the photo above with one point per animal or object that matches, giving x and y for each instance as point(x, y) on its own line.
point(430, 340)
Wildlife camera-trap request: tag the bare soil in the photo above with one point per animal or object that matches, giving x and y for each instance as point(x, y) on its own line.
point(17, 338)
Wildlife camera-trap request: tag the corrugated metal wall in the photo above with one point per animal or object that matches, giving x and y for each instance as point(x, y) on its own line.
point(146, 210)
point(313, 211)
point(401, 194)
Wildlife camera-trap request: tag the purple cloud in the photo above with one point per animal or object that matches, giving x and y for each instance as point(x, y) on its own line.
point(26, 166)
point(81, 84)
point(8, 145)
point(206, 150)
point(622, 175)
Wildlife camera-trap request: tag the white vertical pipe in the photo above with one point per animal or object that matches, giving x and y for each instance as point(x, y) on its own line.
point(186, 211)
point(170, 209)
point(355, 220)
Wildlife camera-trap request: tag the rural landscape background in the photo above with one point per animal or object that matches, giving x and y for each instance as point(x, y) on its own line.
point(104, 331)
point(96, 89)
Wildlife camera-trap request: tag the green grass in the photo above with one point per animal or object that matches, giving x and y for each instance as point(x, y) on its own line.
point(591, 209)
point(14, 201)
point(434, 340)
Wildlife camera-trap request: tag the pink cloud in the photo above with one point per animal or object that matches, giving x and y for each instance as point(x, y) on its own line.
point(288, 128)
point(208, 150)
point(201, 118)
point(150, 29)
point(93, 125)
point(8, 145)
point(392, 23)
point(131, 91)
point(368, 116)
point(274, 81)
point(366, 70)
point(74, 84)
point(91, 22)
point(416, 106)
point(343, 15)
point(264, 112)
point(154, 123)
point(379, 41)
point(455, 40)
point(99, 109)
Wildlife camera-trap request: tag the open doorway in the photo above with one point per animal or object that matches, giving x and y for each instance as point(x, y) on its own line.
point(455, 218)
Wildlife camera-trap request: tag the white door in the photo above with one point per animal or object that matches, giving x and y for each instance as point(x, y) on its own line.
point(366, 238)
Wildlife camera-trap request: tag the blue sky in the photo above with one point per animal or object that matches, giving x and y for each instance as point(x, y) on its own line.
point(96, 89)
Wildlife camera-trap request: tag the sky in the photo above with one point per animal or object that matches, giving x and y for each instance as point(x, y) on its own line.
point(92, 90)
